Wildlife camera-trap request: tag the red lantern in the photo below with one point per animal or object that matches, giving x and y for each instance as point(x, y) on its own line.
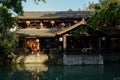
point(28, 23)
point(62, 24)
point(35, 76)
point(52, 22)
point(41, 25)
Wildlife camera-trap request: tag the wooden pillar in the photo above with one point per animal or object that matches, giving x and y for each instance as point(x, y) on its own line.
point(37, 40)
point(99, 42)
point(64, 42)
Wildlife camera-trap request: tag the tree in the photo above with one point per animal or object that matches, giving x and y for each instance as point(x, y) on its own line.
point(8, 10)
point(106, 15)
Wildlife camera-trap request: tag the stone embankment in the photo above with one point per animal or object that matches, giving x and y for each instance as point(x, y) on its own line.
point(32, 58)
point(85, 59)
point(67, 59)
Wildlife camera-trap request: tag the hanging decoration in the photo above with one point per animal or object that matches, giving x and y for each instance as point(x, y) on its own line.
point(28, 23)
point(62, 25)
point(41, 25)
point(52, 22)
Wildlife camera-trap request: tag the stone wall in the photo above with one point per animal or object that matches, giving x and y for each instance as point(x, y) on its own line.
point(82, 59)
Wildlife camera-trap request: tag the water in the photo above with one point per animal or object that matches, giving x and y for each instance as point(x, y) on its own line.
point(43, 72)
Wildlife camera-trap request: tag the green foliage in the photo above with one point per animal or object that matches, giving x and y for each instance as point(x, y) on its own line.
point(8, 10)
point(106, 15)
point(36, 1)
point(7, 45)
point(81, 30)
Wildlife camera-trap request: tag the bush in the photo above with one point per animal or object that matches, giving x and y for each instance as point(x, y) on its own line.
point(7, 46)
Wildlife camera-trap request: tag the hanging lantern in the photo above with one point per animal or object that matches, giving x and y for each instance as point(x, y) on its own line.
point(41, 24)
point(60, 39)
point(75, 21)
point(35, 76)
point(62, 25)
point(28, 23)
point(52, 22)
point(37, 40)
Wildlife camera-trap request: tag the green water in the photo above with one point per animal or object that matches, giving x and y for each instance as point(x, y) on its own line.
point(42, 72)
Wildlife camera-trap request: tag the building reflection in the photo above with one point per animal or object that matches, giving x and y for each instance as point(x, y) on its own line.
point(43, 72)
point(36, 67)
point(33, 71)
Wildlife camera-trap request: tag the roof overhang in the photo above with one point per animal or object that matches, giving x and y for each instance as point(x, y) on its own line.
point(47, 32)
point(37, 32)
point(83, 22)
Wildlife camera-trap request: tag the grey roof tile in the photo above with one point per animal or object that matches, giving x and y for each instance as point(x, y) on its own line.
point(54, 14)
point(43, 32)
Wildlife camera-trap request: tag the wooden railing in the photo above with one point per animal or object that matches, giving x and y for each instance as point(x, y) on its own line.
point(82, 51)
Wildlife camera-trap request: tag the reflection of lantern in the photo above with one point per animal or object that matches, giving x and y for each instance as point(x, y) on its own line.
point(35, 76)
point(52, 22)
point(28, 23)
point(62, 24)
point(75, 21)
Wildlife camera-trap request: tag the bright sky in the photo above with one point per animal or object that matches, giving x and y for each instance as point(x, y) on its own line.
point(57, 5)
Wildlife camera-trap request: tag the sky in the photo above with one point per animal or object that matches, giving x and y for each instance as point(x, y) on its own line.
point(57, 5)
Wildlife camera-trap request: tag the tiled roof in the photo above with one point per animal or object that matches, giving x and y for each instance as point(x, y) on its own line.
point(54, 14)
point(47, 32)
point(44, 32)
point(83, 22)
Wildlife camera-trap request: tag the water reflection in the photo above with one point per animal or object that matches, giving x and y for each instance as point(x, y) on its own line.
point(23, 72)
point(43, 72)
